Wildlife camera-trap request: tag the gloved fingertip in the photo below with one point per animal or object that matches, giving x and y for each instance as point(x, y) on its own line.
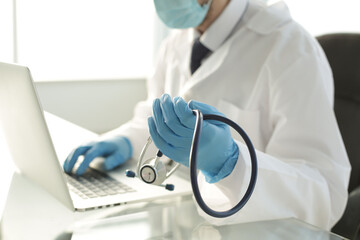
point(80, 171)
point(157, 111)
point(179, 102)
point(193, 104)
point(164, 97)
point(150, 121)
point(66, 166)
point(167, 107)
point(152, 126)
point(178, 99)
point(157, 107)
point(181, 107)
point(156, 101)
point(167, 100)
point(114, 161)
point(109, 165)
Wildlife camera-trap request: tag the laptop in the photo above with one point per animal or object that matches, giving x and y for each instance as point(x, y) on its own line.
point(34, 153)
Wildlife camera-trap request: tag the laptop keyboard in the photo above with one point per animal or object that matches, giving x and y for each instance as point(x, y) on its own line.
point(95, 184)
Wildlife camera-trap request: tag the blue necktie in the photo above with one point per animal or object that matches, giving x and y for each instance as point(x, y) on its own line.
point(199, 51)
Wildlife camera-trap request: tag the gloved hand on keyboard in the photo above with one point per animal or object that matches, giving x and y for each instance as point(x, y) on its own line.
point(172, 128)
point(116, 151)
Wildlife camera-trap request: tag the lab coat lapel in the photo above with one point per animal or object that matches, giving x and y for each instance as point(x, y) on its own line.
point(212, 64)
point(203, 73)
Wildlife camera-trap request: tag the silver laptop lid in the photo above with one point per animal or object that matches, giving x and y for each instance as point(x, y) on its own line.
point(26, 132)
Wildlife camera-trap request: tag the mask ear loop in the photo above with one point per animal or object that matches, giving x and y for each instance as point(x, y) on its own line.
point(193, 170)
point(205, 3)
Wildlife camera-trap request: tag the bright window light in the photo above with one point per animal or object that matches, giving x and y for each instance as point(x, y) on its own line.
point(6, 31)
point(85, 39)
point(326, 16)
point(112, 39)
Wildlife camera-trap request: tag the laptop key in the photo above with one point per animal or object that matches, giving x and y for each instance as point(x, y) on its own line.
point(96, 184)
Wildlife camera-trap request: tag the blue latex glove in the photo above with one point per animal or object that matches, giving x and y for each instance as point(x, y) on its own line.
point(172, 128)
point(116, 151)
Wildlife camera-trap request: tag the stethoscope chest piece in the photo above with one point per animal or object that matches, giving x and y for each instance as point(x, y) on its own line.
point(153, 170)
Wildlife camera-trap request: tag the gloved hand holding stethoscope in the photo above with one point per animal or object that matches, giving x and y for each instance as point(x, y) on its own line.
point(172, 128)
point(176, 128)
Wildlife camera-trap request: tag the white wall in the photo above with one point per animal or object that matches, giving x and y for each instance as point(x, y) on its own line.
point(6, 31)
point(96, 105)
point(326, 16)
point(103, 105)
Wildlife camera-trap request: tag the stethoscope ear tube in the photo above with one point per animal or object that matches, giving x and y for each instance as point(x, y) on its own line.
point(193, 170)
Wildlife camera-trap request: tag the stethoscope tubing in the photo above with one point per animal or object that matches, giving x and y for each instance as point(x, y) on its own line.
point(193, 170)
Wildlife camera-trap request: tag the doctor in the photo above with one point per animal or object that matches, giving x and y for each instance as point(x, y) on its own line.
point(263, 71)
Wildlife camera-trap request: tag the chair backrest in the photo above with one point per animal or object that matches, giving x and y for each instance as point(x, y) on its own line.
point(343, 53)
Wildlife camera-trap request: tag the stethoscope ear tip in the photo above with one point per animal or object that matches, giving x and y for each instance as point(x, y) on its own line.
point(130, 173)
point(170, 187)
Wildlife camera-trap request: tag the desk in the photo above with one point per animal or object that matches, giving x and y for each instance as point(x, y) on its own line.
point(31, 213)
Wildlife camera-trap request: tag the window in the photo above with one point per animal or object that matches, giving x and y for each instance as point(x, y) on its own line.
point(113, 39)
point(326, 16)
point(6, 31)
point(85, 39)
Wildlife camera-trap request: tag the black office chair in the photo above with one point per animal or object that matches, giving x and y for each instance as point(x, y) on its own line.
point(343, 53)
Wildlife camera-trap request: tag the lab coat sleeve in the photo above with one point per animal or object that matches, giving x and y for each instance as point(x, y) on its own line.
point(136, 130)
point(304, 170)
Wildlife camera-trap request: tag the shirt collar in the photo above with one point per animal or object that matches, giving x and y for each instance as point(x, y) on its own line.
point(221, 28)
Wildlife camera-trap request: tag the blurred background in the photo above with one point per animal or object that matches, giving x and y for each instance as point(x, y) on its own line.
point(89, 57)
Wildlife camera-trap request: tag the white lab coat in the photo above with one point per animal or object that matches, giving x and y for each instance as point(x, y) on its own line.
point(273, 79)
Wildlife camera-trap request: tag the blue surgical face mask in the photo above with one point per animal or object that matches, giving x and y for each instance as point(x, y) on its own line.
point(181, 13)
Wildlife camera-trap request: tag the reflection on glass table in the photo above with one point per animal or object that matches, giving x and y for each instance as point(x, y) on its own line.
point(181, 221)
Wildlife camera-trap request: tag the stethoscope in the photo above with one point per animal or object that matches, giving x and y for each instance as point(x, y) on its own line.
point(153, 170)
